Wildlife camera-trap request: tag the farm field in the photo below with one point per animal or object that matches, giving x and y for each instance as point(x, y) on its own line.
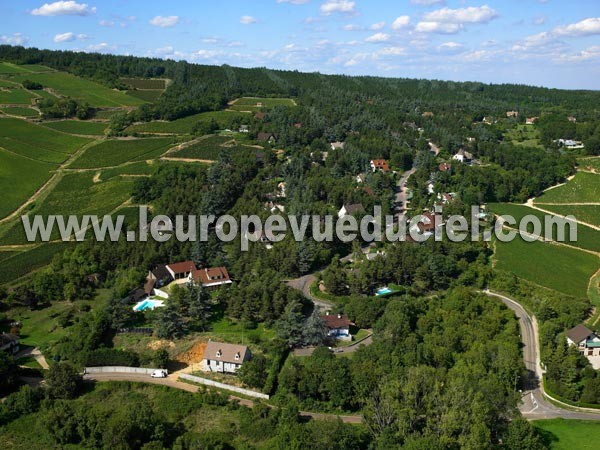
point(75, 194)
point(185, 125)
point(15, 96)
point(115, 152)
point(136, 168)
point(145, 83)
point(564, 434)
point(22, 263)
point(78, 88)
point(583, 188)
point(8, 68)
point(77, 127)
point(20, 111)
point(587, 238)
point(19, 179)
point(559, 268)
point(106, 114)
point(588, 213)
point(38, 143)
point(252, 103)
point(147, 96)
point(209, 148)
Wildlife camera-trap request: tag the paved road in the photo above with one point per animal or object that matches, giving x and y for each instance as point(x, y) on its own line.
point(36, 354)
point(535, 406)
point(172, 382)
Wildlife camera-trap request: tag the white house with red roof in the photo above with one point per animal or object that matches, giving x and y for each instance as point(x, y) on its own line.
point(212, 277)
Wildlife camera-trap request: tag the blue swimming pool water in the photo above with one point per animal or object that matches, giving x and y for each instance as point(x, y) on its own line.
point(147, 304)
point(383, 291)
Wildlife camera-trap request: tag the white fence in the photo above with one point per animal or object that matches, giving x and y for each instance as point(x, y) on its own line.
point(119, 369)
point(227, 387)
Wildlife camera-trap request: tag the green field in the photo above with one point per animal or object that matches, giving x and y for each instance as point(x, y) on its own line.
point(78, 88)
point(594, 163)
point(587, 238)
point(18, 111)
point(75, 194)
point(209, 148)
point(15, 96)
point(22, 263)
point(524, 135)
point(106, 114)
point(19, 179)
point(78, 127)
point(559, 268)
point(145, 83)
point(584, 188)
point(258, 103)
point(146, 96)
point(115, 152)
point(588, 213)
point(136, 168)
point(185, 125)
point(563, 434)
point(8, 68)
point(36, 142)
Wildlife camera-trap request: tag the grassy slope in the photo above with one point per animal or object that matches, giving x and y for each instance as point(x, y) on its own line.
point(115, 152)
point(569, 434)
point(78, 127)
point(583, 188)
point(185, 125)
point(562, 269)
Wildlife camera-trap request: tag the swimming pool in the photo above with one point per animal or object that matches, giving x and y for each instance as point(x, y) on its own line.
point(148, 304)
point(383, 291)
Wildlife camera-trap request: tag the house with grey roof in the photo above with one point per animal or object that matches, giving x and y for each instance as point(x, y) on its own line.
point(223, 357)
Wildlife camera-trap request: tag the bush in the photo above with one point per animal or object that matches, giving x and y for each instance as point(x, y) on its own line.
point(111, 357)
point(32, 85)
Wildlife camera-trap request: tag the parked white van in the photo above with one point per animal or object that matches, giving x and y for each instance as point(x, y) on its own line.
point(159, 374)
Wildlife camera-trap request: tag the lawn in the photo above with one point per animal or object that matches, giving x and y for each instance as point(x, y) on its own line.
point(185, 125)
point(587, 238)
point(20, 111)
point(563, 434)
point(15, 96)
point(584, 188)
point(209, 148)
point(78, 127)
point(258, 103)
point(19, 179)
point(36, 142)
point(81, 89)
point(115, 152)
point(524, 135)
point(593, 162)
point(559, 268)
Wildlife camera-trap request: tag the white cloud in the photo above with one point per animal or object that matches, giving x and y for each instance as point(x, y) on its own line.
point(352, 27)
point(589, 54)
point(165, 21)
point(64, 8)
point(472, 14)
point(106, 23)
point(391, 51)
point(450, 47)
point(377, 26)
point(438, 27)
point(428, 2)
point(340, 6)
point(378, 37)
point(401, 22)
point(477, 56)
point(450, 21)
point(64, 37)
point(14, 39)
point(247, 20)
point(102, 47)
point(586, 27)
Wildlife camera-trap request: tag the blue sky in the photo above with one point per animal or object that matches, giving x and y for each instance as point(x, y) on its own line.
point(552, 43)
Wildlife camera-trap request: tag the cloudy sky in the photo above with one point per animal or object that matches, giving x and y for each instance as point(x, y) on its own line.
point(552, 43)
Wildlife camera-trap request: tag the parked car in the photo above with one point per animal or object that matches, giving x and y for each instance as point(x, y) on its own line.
point(159, 374)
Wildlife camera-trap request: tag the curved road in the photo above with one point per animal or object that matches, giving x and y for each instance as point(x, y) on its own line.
point(535, 405)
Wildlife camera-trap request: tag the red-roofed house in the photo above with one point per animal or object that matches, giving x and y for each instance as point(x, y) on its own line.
point(210, 277)
point(380, 164)
point(338, 326)
point(181, 270)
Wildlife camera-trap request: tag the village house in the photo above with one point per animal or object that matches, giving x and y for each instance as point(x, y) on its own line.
point(380, 164)
point(361, 178)
point(488, 120)
point(585, 340)
point(445, 167)
point(510, 114)
point(223, 357)
point(213, 277)
point(572, 119)
point(338, 326)
point(531, 120)
point(337, 145)
point(9, 343)
point(350, 210)
point(181, 270)
point(463, 156)
point(427, 114)
point(244, 129)
point(271, 138)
